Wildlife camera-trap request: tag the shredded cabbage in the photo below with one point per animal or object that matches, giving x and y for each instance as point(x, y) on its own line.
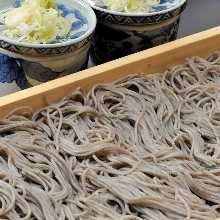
point(131, 6)
point(36, 21)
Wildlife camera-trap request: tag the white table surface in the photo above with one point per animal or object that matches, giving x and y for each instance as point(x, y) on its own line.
point(199, 15)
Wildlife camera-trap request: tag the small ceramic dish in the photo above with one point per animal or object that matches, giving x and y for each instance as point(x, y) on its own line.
point(43, 62)
point(119, 34)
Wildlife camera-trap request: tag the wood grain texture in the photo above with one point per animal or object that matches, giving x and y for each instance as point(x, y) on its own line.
point(149, 61)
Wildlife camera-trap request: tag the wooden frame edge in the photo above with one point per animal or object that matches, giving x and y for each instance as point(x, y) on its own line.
point(113, 69)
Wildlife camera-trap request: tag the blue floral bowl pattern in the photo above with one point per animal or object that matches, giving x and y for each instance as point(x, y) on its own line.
point(120, 34)
point(43, 62)
point(11, 72)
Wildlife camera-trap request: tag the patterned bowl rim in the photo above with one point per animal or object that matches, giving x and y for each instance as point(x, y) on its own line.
point(89, 13)
point(181, 2)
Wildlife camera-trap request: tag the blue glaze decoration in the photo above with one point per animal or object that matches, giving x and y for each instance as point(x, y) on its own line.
point(163, 5)
point(78, 34)
point(17, 3)
point(80, 16)
point(64, 11)
point(77, 24)
point(10, 71)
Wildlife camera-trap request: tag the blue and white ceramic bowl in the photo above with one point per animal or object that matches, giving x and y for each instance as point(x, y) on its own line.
point(43, 62)
point(119, 34)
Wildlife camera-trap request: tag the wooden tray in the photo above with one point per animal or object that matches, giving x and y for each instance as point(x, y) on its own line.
point(149, 61)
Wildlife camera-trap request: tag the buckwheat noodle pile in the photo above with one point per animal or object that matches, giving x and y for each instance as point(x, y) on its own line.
point(144, 147)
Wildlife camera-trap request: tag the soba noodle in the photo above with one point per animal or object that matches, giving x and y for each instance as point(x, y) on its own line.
point(143, 147)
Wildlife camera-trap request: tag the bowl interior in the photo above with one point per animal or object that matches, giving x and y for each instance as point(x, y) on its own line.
point(82, 17)
point(163, 7)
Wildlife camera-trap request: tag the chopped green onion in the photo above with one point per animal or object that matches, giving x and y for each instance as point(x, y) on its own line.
point(131, 6)
point(36, 21)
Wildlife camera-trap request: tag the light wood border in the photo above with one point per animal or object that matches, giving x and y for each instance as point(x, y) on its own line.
point(149, 61)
